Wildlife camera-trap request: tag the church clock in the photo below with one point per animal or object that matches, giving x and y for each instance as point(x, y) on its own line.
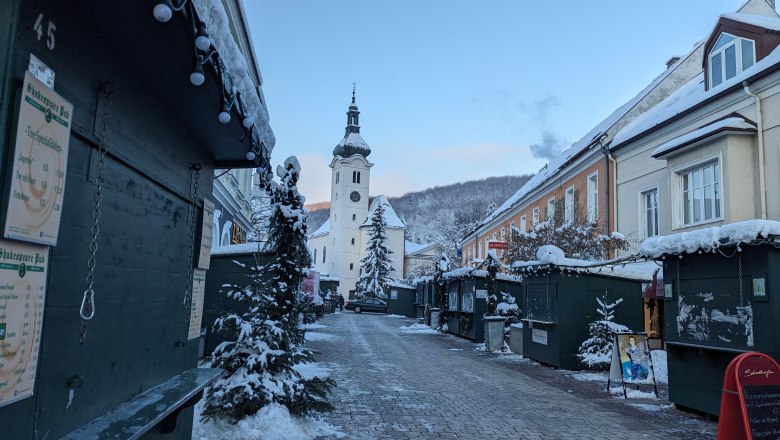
point(354, 196)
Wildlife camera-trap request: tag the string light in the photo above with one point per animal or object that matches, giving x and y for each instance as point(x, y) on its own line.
point(202, 41)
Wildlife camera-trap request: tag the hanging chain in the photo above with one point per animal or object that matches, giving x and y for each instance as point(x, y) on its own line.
point(187, 303)
point(739, 262)
point(87, 309)
point(679, 293)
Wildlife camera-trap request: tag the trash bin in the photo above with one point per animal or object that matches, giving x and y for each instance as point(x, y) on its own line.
point(516, 338)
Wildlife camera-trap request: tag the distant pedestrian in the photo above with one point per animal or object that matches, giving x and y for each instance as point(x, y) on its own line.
point(340, 302)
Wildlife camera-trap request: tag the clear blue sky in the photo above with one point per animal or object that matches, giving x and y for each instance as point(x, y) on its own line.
point(454, 90)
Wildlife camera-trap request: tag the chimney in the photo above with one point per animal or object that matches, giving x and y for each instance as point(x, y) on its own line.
point(670, 62)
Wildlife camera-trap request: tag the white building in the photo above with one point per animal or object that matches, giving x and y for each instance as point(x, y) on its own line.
point(339, 244)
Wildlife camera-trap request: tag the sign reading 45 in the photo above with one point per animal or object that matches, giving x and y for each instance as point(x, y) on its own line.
point(50, 28)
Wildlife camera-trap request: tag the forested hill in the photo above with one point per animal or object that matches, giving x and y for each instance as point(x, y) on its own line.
point(426, 212)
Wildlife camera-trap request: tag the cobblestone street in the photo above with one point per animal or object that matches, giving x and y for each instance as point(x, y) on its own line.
point(393, 384)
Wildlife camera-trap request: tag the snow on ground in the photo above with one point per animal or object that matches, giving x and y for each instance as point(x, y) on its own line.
point(632, 393)
point(659, 366)
point(418, 328)
point(316, 336)
point(396, 316)
point(313, 326)
point(649, 407)
point(587, 376)
point(272, 422)
point(313, 369)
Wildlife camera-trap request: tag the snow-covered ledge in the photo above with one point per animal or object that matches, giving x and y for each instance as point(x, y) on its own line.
point(709, 239)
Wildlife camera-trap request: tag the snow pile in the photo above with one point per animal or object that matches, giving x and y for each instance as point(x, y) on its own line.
point(213, 14)
point(659, 366)
point(709, 239)
point(239, 249)
point(632, 393)
point(422, 280)
point(395, 316)
point(272, 422)
point(399, 284)
point(418, 328)
point(650, 407)
point(470, 272)
point(317, 336)
point(589, 376)
point(551, 257)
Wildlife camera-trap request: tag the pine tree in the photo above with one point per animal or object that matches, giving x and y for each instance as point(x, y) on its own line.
point(596, 351)
point(492, 266)
point(376, 265)
point(263, 344)
point(439, 284)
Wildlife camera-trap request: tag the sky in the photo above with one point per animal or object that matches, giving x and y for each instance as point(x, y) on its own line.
point(456, 90)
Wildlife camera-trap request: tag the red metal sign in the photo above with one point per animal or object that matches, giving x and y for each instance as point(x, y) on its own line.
point(750, 402)
point(499, 245)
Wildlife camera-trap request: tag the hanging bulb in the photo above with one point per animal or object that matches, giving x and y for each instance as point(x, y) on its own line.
point(250, 155)
point(163, 12)
point(224, 116)
point(202, 41)
point(197, 77)
point(248, 121)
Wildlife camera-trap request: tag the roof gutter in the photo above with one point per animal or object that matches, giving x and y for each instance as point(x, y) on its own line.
point(760, 135)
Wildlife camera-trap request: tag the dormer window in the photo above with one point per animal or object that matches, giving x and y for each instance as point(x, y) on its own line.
point(729, 56)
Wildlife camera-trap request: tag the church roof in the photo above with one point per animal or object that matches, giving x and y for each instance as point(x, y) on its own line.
point(392, 219)
point(352, 143)
point(322, 230)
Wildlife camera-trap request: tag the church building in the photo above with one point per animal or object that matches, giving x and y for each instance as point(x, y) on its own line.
point(339, 244)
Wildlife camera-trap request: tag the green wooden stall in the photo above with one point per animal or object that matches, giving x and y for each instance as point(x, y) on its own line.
point(137, 120)
point(559, 301)
point(423, 296)
point(401, 300)
point(721, 299)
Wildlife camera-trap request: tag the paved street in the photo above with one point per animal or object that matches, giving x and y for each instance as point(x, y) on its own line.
point(393, 384)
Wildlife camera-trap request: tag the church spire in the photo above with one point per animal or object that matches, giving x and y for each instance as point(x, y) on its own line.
point(352, 143)
point(352, 115)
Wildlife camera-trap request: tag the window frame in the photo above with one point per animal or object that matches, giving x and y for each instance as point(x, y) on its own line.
point(593, 203)
point(721, 53)
point(550, 212)
point(568, 204)
point(643, 211)
point(535, 218)
point(678, 197)
point(523, 222)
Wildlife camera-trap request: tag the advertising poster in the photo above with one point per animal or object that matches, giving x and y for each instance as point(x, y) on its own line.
point(204, 257)
point(40, 162)
point(23, 270)
point(635, 360)
point(196, 308)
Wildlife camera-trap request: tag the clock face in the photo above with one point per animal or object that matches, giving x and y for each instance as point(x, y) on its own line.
point(354, 196)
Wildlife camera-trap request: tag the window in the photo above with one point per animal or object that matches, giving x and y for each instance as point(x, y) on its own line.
point(512, 227)
point(479, 250)
point(729, 56)
point(701, 197)
point(550, 208)
point(487, 246)
point(536, 216)
point(324, 250)
point(337, 196)
point(358, 177)
point(315, 255)
point(353, 241)
point(474, 250)
point(649, 218)
point(593, 197)
point(354, 177)
point(351, 266)
point(568, 205)
point(354, 217)
point(522, 223)
point(337, 177)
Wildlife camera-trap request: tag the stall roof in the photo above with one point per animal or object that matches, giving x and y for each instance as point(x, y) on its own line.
point(239, 249)
point(709, 239)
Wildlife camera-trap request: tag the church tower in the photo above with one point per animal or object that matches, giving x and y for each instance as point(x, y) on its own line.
point(349, 202)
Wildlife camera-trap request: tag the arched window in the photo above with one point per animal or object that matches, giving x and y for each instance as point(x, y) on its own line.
point(358, 177)
point(337, 177)
point(354, 177)
point(315, 255)
point(351, 266)
point(353, 241)
point(324, 250)
point(354, 217)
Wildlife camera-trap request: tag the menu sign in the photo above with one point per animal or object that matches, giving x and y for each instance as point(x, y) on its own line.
point(40, 163)
point(196, 306)
point(763, 409)
point(204, 258)
point(22, 294)
point(750, 403)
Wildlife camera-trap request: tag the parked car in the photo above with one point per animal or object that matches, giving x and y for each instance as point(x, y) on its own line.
point(366, 304)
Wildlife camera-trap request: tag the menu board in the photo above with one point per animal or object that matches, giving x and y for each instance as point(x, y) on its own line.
point(40, 162)
point(762, 404)
point(196, 306)
point(204, 258)
point(22, 294)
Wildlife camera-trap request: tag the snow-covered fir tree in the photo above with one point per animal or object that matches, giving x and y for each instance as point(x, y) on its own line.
point(376, 265)
point(509, 309)
point(440, 287)
point(596, 352)
point(264, 343)
point(492, 265)
point(577, 237)
point(260, 218)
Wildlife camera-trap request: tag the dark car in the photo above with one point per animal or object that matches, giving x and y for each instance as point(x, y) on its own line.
point(367, 305)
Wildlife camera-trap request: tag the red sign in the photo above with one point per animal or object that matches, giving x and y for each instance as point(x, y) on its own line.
point(500, 245)
point(750, 402)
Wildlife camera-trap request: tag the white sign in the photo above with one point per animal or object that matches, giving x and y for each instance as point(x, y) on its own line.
point(23, 270)
point(539, 336)
point(196, 308)
point(393, 294)
point(40, 163)
point(481, 294)
point(204, 258)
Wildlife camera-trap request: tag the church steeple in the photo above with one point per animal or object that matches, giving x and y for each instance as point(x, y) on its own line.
point(353, 142)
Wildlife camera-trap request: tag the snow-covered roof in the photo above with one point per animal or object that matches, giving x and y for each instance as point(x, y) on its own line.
point(213, 14)
point(422, 280)
point(733, 123)
point(709, 239)
point(322, 230)
point(559, 163)
point(399, 284)
point(352, 143)
point(551, 257)
point(413, 248)
point(328, 278)
point(241, 248)
point(392, 219)
point(687, 97)
point(772, 23)
point(469, 272)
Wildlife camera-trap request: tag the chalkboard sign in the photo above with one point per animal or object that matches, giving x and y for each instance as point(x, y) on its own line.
point(763, 409)
point(538, 304)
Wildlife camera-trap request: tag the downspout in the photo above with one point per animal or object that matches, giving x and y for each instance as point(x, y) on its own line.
point(611, 158)
point(605, 150)
point(760, 122)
